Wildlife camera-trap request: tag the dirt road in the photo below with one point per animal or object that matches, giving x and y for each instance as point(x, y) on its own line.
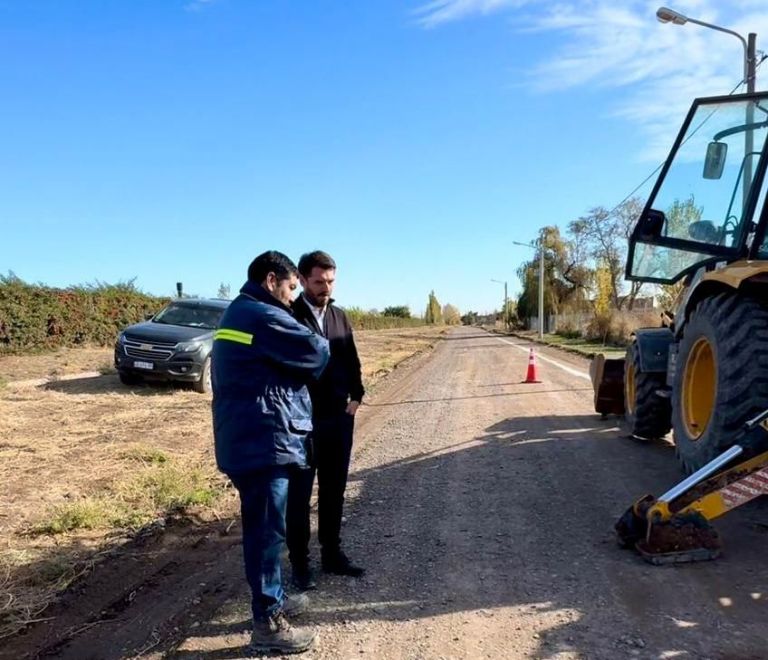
point(483, 510)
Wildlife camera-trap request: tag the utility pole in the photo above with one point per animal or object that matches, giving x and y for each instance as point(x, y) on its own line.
point(541, 291)
point(506, 307)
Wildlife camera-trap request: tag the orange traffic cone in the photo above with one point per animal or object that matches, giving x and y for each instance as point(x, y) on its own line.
point(531, 377)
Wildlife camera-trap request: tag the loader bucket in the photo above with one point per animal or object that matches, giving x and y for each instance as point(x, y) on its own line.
point(607, 376)
point(684, 538)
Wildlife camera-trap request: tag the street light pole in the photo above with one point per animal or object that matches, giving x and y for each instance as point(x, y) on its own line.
point(541, 292)
point(667, 15)
point(541, 283)
point(506, 303)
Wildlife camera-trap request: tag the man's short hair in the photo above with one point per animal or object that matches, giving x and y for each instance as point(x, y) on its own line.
point(316, 259)
point(271, 262)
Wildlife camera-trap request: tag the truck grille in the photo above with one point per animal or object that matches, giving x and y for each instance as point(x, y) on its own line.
point(156, 351)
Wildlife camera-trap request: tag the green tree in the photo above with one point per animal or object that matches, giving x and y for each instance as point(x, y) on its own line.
point(400, 311)
point(433, 314)
point(566, 277)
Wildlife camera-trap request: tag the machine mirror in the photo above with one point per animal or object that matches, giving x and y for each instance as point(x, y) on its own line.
point(715, 161)
point(650, 226)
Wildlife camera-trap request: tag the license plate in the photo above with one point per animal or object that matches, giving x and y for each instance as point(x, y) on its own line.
point(143, 365)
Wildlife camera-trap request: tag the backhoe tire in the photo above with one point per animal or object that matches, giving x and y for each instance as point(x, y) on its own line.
point(721, 379)
point(647, 415)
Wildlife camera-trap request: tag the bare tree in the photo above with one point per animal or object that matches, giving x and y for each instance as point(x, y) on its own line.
point(604, 236)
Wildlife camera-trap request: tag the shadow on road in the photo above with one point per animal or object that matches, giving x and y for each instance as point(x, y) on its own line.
point(389, 404)
point(516, 526)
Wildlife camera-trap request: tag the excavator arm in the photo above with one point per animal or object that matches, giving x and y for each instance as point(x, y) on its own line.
point(676, 527)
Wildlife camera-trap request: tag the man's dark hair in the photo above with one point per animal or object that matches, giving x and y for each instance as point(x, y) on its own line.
point(316, 259)
point(271, 262)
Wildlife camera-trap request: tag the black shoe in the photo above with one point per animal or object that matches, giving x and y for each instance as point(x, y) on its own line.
point(339, 564)
point(302, 577)
point(276, 634)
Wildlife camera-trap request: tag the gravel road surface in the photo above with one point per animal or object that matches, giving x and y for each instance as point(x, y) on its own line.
point(483, 510)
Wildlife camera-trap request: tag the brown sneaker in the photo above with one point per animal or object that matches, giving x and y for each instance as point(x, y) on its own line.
point(275, 634)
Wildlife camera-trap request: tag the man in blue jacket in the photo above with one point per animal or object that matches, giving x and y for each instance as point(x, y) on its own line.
point(261, 364)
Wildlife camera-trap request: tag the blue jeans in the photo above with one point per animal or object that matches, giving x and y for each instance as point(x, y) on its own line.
point(263, 497)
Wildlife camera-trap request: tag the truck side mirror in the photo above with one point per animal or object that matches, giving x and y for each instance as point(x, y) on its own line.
point(715, 160)
point(650, 225)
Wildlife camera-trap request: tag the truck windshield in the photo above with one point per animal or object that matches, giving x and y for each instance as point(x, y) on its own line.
point(705, 189)
point(193, 316)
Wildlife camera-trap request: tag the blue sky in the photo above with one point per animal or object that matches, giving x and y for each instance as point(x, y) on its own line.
point(413, 140)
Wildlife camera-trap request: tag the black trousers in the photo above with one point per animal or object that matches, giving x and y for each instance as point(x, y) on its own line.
point(332, 449)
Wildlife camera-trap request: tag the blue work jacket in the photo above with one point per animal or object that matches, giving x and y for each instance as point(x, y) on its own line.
point(261, 362)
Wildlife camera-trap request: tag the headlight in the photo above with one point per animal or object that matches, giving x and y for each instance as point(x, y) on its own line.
point(121, 339)
point(189, 346)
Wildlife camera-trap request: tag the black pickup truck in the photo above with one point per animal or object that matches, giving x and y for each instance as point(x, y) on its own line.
point(175, 344)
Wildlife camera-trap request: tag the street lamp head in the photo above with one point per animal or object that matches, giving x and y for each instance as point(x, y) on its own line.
point(667, 15)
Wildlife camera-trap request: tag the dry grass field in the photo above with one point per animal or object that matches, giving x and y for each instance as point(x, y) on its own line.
point(86, 462)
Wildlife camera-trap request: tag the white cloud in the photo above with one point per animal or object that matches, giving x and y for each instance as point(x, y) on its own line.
point(436, 12)
point(659, 68)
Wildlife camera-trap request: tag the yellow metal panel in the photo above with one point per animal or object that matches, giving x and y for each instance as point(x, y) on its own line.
point(710, 506)
point(734, 274)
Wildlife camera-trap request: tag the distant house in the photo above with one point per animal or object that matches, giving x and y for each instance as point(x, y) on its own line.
point(645, 304)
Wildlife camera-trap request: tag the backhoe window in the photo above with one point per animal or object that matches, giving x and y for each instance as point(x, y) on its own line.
point(703, 192)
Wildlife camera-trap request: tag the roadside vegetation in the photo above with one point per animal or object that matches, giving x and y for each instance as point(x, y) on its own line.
point(578, 345)
point(585, 294)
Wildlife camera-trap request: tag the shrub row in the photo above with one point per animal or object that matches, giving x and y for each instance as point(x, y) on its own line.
point(361, 320)
point(36, 317)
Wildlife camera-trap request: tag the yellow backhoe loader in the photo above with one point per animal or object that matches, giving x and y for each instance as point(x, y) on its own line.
point(704, 372)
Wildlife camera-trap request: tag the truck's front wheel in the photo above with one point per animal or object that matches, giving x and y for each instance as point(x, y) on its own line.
point(203, 385)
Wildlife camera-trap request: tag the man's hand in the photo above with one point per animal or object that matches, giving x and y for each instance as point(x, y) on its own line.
point(352, 407)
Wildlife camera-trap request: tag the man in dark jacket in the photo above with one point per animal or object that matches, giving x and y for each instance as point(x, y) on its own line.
point(261, 364)
point(335, 399)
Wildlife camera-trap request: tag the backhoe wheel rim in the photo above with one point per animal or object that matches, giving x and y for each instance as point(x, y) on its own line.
point(629, 387)
point(699, 387)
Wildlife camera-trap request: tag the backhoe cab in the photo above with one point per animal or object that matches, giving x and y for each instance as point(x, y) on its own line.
point(704, 373)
